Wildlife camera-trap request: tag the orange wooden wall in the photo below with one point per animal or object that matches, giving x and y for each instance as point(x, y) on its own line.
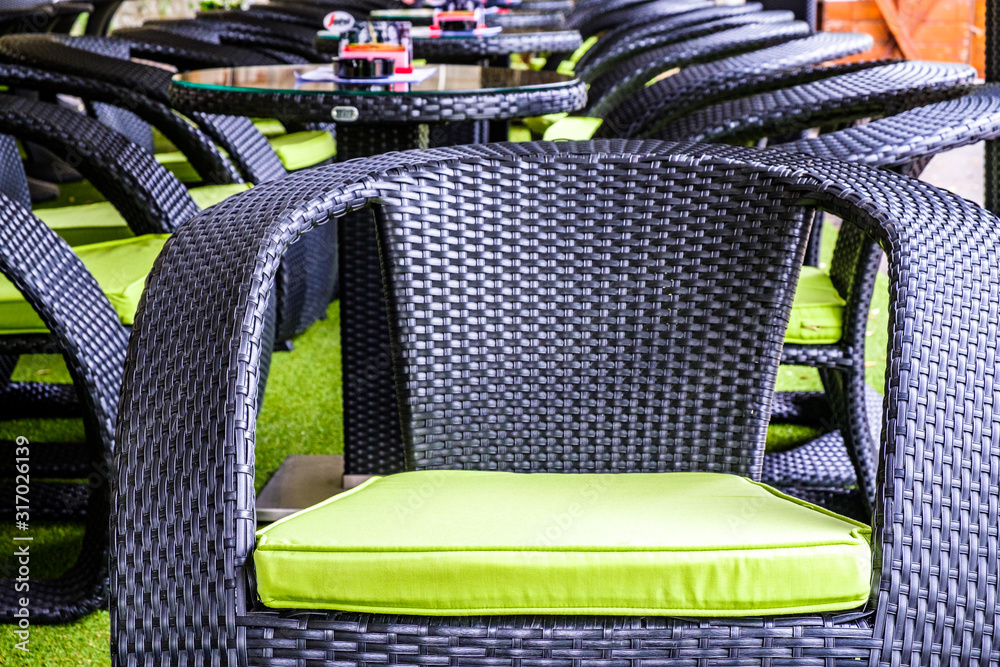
point(945, 30)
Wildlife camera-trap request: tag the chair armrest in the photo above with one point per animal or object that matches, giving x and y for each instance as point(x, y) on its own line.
point(204, 156)
point(148, 196)
point(69, 301)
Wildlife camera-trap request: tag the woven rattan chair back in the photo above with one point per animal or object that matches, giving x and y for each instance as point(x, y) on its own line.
point(595, 314)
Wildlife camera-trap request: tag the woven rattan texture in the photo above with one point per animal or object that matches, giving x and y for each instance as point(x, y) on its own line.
point(186, 53)
point(598, 17)
point(749, 73)
point(561, 6)
point(201, 152)
point(307, 107)
point(908, 136)
point(276, 47)
point(13, 179)
point(306, 291)
point(620, 82)
point(192, 448)
point(635, 44)
point(617, 36)
point(107, 60)
point(93, 341)
point(505, 308)
point(518, 19)
point(150, 199)
point(890, 142)
point(992, 185)
point(871, 92)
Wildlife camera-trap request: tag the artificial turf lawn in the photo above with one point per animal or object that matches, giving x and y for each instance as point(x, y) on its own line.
point(300, 415)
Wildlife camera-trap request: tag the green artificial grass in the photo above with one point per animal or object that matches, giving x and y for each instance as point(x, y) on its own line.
point(301, 415)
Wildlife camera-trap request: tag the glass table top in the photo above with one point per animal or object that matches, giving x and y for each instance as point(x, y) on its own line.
point(446, 80)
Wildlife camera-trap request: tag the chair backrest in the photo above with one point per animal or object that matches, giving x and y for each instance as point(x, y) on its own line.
point(599, 313)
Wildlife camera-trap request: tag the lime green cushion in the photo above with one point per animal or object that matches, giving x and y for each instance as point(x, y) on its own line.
point(462, 542)
point(99, 222)
point(210, 195)
point(573, 128)
point(86, 223)
point(178, 165)
point(269, 127)
point(817, 310)
point(518, 132)
point(299, 150)
point(538, 124)
point(568, 66)
point(120, 268)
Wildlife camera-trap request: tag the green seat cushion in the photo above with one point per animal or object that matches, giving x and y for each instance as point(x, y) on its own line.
point(100, 221)
point(518, 132)
point(178, 165)
point(296, 150)
point(568, 66)
point(539, 124)
point(455, 542)
point(299, 150)
point(120, 268)
point(85, 223)
point(269, 127)
point(210, 195)
point(817, 310)
point(573, 128)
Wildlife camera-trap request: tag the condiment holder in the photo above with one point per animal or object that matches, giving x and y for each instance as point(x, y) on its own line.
point(375, 50)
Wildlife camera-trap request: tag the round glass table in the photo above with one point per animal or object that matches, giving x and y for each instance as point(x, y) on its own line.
point(452, 95)
point(465, 48)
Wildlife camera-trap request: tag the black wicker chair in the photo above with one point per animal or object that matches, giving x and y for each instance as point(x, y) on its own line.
point(86, 330)
point(616, 36)
point(204, 156)
point(183, 584)
point(107, 61)
point(904, 141)
point(242, 42)
point(40, 18)
point(633, 45)
point(630, 76)
point(759, 71)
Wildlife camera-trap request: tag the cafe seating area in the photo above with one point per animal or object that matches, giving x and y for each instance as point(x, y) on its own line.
point(561, 333)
